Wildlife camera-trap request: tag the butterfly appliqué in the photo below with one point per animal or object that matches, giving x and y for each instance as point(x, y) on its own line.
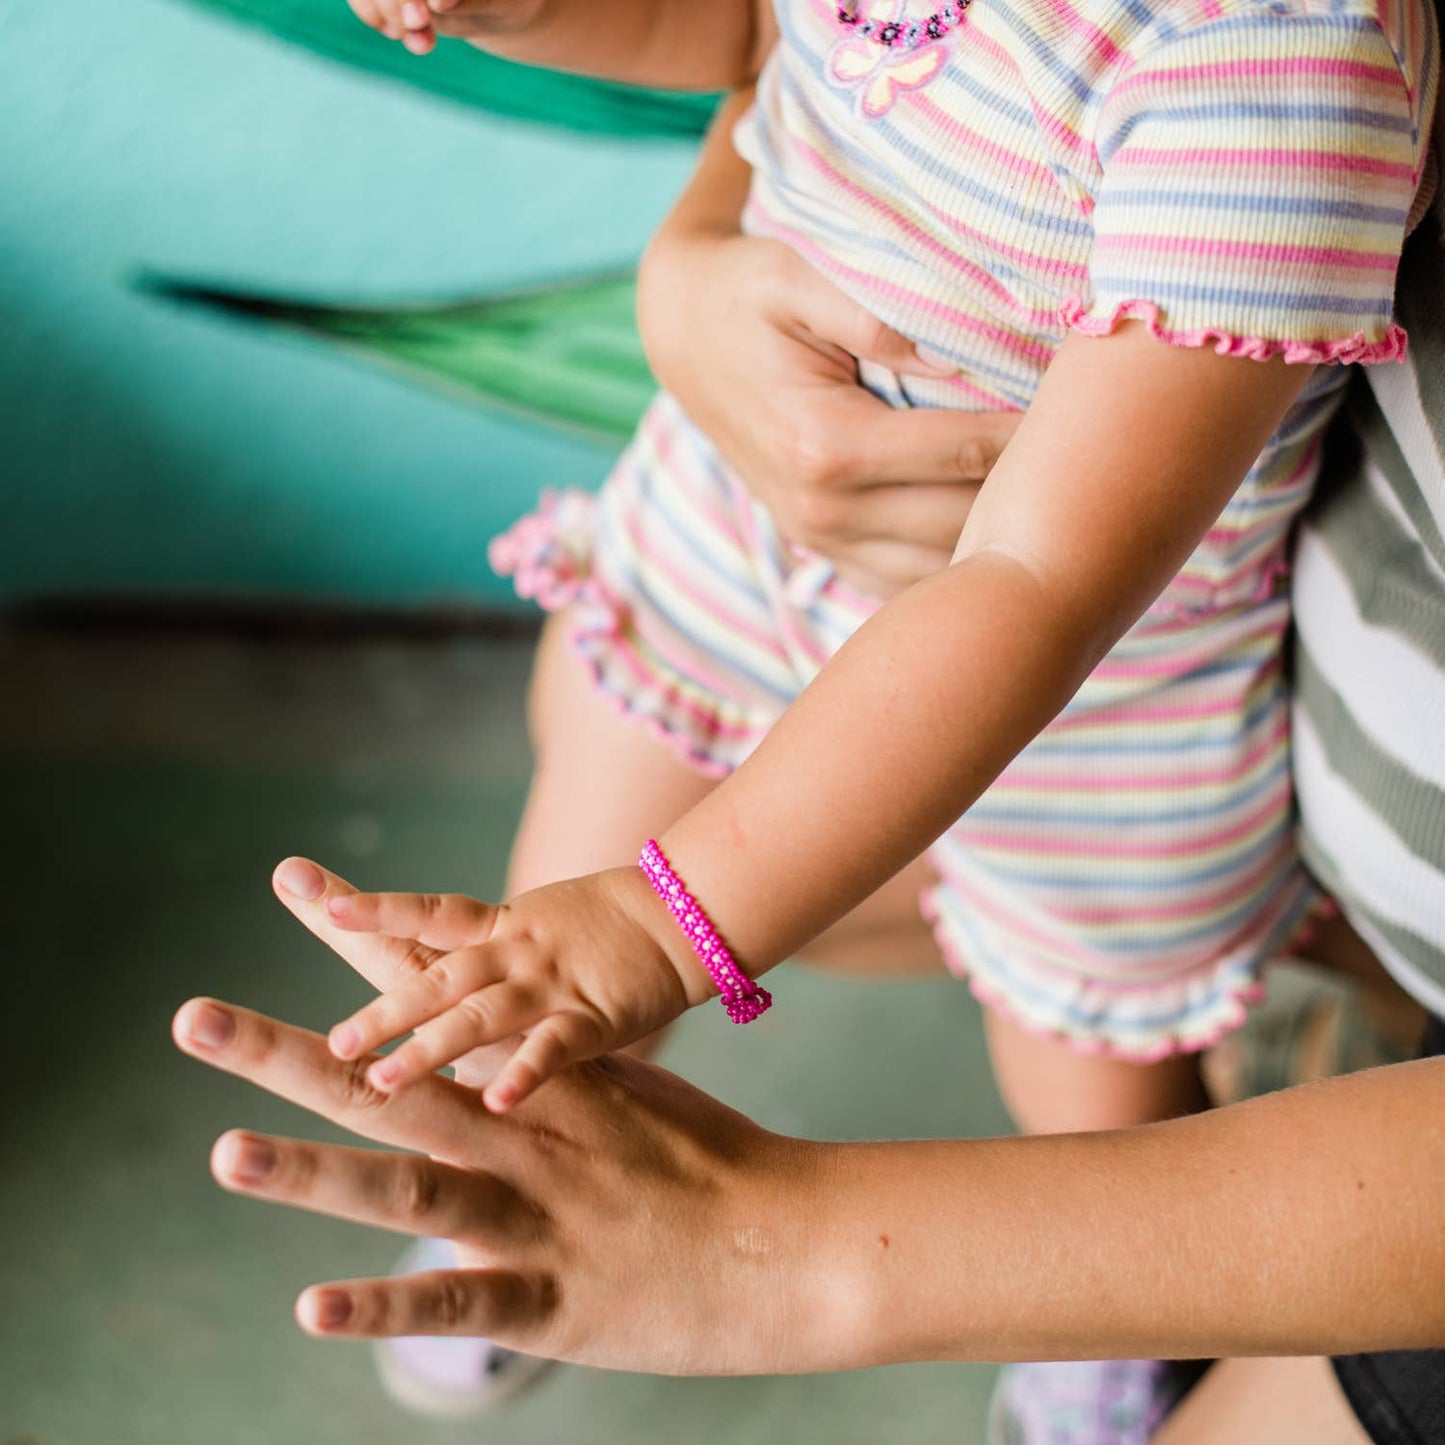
point(878, 75)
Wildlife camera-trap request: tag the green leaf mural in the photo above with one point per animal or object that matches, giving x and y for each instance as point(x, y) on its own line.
point(568, 355)
point(463, 73)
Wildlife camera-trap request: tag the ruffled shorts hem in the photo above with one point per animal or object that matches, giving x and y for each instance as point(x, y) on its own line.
point(1195, 1025)
point(548, 556)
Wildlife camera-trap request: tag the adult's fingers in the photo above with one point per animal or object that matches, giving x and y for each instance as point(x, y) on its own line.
point(833, 317)
point(306, 889)
point(927, 517)
point(405, 1192)
point(876, 443)
point(493, 1303)
point(883, 569)
point(434, 1115)
point(439, 920)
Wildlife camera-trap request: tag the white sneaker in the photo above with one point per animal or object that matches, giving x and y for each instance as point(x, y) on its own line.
point(449, 1377)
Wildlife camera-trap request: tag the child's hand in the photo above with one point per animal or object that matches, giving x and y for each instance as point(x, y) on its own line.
point(581, 968)
point(409, 21)
point(417, 23)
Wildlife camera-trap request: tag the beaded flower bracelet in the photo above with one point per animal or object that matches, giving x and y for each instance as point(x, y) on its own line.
point(743, 999)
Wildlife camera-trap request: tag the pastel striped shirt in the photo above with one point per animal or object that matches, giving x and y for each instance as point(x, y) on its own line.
point(1236, 172)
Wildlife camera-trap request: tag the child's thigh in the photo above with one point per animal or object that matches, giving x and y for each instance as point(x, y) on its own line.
point(602, 785)
point(886, 935)
point(1265, 1402)
point(1050, 1087)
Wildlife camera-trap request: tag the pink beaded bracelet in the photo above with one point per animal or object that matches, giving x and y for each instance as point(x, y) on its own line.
point(742, 998)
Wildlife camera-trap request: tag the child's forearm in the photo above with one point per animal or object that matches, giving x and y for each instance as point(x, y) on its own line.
point(1131, 450)
point(677, 44)
point(1306, 1222)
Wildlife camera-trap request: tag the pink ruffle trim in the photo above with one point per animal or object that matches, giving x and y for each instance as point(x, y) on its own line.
point(1232, 1006)
point(548, 553)
point(1074, 313)
point(587, 648)
point(548, 556)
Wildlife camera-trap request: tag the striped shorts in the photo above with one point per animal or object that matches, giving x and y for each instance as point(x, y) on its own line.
point(1121, 882)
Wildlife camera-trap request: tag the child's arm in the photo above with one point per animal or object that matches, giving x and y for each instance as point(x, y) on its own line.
point(679, 44)
point(1130, 452)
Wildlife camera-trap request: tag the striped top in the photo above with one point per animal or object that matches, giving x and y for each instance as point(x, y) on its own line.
point(1369, 719)
point(1236, 172)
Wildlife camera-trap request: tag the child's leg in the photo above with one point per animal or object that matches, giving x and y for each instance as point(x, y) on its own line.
point(1051, 1088)
point(601, 785)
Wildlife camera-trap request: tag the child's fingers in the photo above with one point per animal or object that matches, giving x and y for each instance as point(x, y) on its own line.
point(438, 920)
point(416, 20)
point(555, 1044)
point(425, 995)
point(368, 13)
point(306, 889)
point(481, 1018)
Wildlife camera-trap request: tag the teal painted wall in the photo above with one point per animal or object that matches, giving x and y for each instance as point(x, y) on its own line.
point(151, 451)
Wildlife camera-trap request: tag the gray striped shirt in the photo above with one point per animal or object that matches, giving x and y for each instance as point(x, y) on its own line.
point(1369, 598)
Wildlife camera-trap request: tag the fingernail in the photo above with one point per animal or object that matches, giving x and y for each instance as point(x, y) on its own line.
point(415, 15)
point(418, 42)
point(210, 1026)
point(384, 1074)
point(301, 879)
point(345, 1041)
point(251, 1160)
point(333, 1308)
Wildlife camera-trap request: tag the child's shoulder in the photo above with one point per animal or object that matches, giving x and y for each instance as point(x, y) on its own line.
point(1374, 55)
point(1353, 30)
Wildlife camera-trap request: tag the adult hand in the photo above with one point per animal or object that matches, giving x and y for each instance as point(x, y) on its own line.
point(762, 352)
point(624, 1219)
point(619, 1218)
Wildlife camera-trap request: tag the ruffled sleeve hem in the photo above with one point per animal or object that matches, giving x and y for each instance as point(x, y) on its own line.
point(1078, 316)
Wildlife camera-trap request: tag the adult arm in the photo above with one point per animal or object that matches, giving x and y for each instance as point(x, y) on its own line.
point(622, 1218)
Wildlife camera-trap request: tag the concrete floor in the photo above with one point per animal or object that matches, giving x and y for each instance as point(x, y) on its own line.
point(150, 783)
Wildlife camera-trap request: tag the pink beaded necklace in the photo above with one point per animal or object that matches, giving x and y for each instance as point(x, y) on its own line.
point(903, 34)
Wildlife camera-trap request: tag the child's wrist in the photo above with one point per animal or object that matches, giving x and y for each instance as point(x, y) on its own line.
point(642, 904)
